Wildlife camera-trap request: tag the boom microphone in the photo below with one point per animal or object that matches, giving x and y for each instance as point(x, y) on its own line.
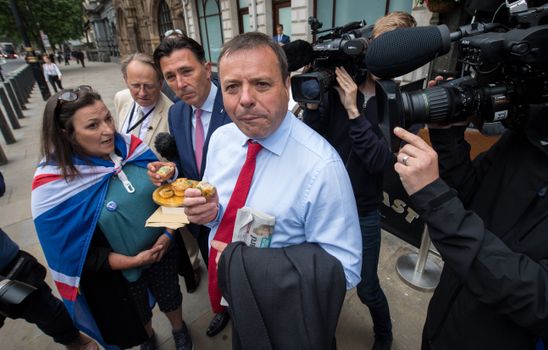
point(165, 145)
point(299, 53)
point(403, 50)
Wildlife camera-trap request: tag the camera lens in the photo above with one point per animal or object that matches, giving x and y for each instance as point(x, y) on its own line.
point(310, 89)
point(440, 104)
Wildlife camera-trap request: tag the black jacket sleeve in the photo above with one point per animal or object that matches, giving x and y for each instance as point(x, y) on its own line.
point(456, 167)
point(367, 143)
point(370, 147)
point(511, 282)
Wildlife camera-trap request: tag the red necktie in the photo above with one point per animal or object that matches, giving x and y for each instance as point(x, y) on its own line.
point(226, 227)
point(198, 138)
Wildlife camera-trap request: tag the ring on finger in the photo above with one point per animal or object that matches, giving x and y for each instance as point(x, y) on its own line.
point(405, 159)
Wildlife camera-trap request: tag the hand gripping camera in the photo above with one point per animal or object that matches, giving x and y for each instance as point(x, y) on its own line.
point(504, 72)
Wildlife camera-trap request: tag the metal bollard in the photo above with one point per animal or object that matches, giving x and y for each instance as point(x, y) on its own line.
point(5, 129)
point(18, 92)
point(416, 270)
point(3, 158)
point(9, 110)
point(27, 80)
point(14, 100)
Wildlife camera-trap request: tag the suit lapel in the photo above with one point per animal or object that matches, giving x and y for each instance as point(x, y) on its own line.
point(124, 114)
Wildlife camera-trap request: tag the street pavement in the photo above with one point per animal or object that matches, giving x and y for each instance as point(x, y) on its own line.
point(408, 306)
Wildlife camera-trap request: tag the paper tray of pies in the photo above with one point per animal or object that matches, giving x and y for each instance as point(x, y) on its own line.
point(172, 195)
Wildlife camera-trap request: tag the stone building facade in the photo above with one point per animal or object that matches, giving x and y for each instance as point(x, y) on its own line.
point(141, 23)
point(101, 28)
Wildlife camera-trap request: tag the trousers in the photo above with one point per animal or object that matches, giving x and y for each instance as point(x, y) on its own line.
point(369, 289)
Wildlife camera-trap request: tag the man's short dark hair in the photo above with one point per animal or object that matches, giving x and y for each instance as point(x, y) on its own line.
point(254, 40)
point(178, 42)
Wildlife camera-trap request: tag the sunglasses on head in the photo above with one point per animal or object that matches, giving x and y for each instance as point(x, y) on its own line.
point(71, 96)
point(176, 32)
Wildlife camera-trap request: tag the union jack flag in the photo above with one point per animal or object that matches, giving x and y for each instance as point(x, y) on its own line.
point(65, 214)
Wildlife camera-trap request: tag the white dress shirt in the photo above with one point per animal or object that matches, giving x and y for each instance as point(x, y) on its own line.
point(300, 179)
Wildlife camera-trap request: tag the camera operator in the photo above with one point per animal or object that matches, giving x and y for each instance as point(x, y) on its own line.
point(347, 118)
point(41, 307)
point(488, 218)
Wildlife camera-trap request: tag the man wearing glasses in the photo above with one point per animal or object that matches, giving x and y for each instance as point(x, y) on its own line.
point(142, 108)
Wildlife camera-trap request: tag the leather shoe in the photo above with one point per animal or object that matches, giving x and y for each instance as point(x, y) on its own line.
point(218, 323)
point(382, 343)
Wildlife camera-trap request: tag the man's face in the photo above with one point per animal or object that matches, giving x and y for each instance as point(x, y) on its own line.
point(279, 30)
point(187, 76)
point(254, 92)
point(143, 83)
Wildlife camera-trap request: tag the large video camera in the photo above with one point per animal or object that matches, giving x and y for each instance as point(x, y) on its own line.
point(343, 46)
point(504, 72)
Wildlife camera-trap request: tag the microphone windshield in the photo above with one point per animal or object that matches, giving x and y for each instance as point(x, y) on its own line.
point(403, 50)
point(165, 145)
point(299, 53)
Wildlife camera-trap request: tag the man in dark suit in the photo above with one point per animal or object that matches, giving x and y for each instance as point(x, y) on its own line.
point(191, 122)
point(280, 37)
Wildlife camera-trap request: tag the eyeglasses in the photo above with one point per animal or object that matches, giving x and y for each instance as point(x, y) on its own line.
point(174, 32)
point(146, 87)
point(70, 96)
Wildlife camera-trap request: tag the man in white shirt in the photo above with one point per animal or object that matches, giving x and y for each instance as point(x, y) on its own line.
point(298, 176)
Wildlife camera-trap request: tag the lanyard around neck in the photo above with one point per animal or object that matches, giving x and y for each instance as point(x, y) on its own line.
point(129, 126)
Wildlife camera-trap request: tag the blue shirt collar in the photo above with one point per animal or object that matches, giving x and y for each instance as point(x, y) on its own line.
point(277, 141)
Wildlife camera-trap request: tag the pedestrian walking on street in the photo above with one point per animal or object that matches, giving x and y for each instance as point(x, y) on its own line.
point(67, 58)
point(80, 56)
point(52, 73)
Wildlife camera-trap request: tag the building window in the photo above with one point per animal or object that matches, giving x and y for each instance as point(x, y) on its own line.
point(243, 16)
point(209, 15)
point(340, 12)
point(164, 18)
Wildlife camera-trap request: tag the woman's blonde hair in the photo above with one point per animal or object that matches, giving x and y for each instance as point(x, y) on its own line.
point(391, 21)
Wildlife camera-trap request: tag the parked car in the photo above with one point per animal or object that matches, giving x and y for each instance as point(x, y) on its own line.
point(7, 50)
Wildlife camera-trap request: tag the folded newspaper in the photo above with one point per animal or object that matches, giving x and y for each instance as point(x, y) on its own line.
point(254, 228)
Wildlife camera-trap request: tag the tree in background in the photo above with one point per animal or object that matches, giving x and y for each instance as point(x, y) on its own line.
point(61, 20)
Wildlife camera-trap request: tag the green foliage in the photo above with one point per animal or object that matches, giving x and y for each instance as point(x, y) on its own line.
point(61, 20)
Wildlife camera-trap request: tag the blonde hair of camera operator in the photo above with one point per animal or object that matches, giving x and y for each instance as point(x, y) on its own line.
point(391, 21)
